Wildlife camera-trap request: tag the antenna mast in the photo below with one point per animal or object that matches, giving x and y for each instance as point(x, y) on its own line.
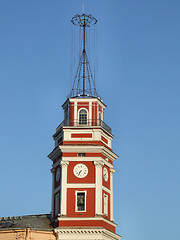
point(86, 86)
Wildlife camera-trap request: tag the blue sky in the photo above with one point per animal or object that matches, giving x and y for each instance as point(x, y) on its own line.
point(138, 79)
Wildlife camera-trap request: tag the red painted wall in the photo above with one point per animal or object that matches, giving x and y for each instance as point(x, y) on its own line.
point(95, 155)
point(90, 178)
point(90, 223)
point(100, 108)
point(90, 203)
point(82, 105)
point(104, 139)
point(69, 154)
point(81, 135)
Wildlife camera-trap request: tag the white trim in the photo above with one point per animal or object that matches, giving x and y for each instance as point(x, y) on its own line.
point(88, 159)
point(75, 110)
point(111, 195)
point(106, 189)
point(85, 100)
point(85, 193)
point(98, 191)
point(52, 199)
point(90, 233)
point(78, 124)
point(102, 149)
point(90, 110)
point(64, 165)
point(80, 185)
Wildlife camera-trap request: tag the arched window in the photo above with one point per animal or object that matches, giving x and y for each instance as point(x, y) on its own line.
point(82, 117)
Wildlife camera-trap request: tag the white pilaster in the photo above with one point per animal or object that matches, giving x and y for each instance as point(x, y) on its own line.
point(63, 196)
point(98, 191)
point(90, 111)
point(52, 200)
point(75, 112)
point(111, 195)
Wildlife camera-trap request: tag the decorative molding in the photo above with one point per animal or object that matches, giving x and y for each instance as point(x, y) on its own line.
point(64, 163)
point(98, 163)
point(106, 189)
point(112, 170)
point(85, 233)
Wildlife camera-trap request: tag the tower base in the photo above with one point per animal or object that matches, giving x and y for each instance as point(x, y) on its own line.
point(85, 233)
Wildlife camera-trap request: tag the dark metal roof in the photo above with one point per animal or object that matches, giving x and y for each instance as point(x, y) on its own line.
point(37, 222)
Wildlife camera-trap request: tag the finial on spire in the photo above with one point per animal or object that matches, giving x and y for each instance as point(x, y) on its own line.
point(82, 8)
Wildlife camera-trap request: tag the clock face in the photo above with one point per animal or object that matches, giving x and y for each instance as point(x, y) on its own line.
point(57, 174)
point(105, 174)
point(80, 170)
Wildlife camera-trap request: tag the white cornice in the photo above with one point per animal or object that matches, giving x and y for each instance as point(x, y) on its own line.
point(54, 154)
point(88, 233)
point(82, 148)
point(90, 148)
point(88, 128)
point(84, 100)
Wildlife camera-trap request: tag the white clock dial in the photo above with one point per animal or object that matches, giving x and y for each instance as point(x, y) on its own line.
point(57, 174)
point(80, 170)
point(105, 174)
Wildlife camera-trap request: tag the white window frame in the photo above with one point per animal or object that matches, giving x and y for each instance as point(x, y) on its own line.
point(99, 119)
point(76, 208)
point(87, 116)
point(106, 204)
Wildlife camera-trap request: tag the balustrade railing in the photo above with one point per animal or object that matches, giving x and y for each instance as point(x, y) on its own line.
point(84, 123)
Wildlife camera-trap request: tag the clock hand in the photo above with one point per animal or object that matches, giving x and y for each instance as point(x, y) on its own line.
point(79, 172)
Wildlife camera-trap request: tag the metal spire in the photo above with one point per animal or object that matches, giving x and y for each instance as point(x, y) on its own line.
point(84, 84)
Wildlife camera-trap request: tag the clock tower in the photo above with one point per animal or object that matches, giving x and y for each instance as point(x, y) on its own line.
point(82, 170)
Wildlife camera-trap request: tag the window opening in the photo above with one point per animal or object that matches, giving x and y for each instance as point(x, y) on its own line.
point(57, 202)
point(80, 201)
point(81, 154)
point(82, 117)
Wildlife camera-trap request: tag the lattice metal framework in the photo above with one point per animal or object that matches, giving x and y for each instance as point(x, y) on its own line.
point(84, 83)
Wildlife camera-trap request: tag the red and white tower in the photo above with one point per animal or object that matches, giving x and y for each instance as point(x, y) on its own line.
point(82, 172)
